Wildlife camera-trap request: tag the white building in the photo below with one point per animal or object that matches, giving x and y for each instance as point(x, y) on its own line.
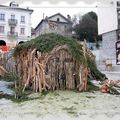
point(15, 24)
point(109, 28)
point(55, 24)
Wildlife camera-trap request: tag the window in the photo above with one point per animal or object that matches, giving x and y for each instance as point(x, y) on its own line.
point(12, 17)
point(2, 17)
point(1, 29)
point(118, 3)
point(23, 19)
point(12, 30)
point(58, 19)
point(119, 23)
point(118, 34)
point(22, 31)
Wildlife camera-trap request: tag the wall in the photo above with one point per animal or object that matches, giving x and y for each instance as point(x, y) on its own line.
point(60, 29)
point(27, 26)
point(60, 18)
point(60, 26)
point(107, 17)
point(108, 46)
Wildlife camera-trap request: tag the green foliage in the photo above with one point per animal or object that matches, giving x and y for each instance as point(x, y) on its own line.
point(96, 74)
point(87, 27)
point(20, 100)
point(93, 15)
point(114, 91)
point(47, 42)
point(20, 95)
point(97, 44)
point(9, 77)
point(91, 87)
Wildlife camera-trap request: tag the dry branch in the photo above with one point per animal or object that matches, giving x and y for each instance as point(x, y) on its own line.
point(57, 69)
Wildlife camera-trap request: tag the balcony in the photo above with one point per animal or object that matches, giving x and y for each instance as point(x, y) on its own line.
point(12, 34)
point(12, 22)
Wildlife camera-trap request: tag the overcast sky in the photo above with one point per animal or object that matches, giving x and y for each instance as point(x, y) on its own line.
point(55, 1)
point(50, 7)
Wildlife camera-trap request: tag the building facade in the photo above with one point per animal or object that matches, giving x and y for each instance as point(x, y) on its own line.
point(15, 24)
point(55, 24)
point(109, 28)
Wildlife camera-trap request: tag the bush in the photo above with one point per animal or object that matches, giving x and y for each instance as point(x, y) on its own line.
point(9, 77)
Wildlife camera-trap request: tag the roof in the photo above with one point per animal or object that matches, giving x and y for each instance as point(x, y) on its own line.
point(39, 23)
point(17, 8)
point(61, 16)
point(110, 31)
point(53, 21)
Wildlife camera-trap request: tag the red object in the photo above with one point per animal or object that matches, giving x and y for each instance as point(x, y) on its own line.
point(4, 48)
point(104, 89)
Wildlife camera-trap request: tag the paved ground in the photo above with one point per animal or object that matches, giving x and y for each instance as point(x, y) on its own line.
point(114, 73)
point(63, 105)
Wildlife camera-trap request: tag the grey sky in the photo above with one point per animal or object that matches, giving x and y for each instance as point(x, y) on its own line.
point(39, 10)
point(54, 1)
point(51, 1)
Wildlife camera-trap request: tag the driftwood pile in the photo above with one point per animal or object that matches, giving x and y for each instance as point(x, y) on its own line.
point(111, 86)
point(52, 61)
point(111, 83)
point(57, 69)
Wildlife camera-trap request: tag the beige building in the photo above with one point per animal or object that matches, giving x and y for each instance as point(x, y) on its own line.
point(15, 24)
point(55, 24)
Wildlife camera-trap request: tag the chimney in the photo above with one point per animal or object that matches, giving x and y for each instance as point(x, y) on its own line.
point(69, 17)
point(13, 4)
point(46, 17)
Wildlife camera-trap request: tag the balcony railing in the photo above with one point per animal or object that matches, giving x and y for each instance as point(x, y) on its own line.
point(12, 22)
point(13, 34)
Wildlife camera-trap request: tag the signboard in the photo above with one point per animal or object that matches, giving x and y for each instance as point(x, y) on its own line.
point(118, 52)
